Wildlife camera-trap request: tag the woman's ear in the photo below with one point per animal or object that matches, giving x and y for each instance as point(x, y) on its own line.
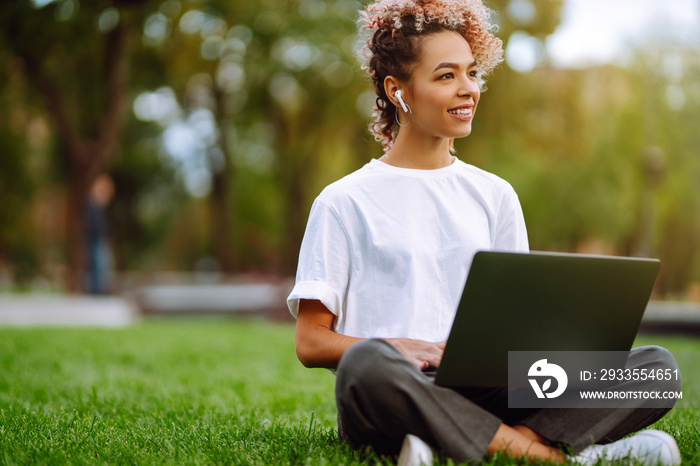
point(391, 85)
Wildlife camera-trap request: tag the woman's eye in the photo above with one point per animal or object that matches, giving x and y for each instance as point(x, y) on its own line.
point(472, 74)
point(446, 76)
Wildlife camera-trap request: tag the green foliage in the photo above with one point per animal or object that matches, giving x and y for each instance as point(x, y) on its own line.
point(147, 198)
point(539, 18)
point(16, 180)
point(288, 115)
point(17, 188)
point(575, 144)
point(291, 106)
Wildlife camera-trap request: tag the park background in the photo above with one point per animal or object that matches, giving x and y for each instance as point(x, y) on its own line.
point(220, 121)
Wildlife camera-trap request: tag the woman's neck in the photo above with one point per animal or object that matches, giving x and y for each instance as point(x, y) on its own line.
point(419, 154)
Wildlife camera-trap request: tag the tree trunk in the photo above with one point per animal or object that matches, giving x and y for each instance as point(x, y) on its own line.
point(220, 224)
point(87, 157)
point(75, 233)
point(220, 215)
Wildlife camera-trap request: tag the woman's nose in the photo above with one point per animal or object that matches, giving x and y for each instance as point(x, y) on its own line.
point(469, 87)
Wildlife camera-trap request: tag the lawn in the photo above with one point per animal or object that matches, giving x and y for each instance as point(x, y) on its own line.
point(188, 392)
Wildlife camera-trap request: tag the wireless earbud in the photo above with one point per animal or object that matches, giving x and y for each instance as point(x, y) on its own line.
point(397, 94)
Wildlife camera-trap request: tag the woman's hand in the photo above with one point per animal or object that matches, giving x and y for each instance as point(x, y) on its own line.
point(317, 345)
point(421, 353)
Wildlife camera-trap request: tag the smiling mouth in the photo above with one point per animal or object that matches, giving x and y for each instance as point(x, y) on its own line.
point(465, 111)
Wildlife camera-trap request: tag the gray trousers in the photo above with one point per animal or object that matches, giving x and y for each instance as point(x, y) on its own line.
point(381, 397)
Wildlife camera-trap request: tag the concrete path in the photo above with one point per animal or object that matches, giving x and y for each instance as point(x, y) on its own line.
point(672, 317)
point(65, 311)
point(241, 299)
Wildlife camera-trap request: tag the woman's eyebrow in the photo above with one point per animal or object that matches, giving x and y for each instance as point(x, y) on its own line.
point(453, 66)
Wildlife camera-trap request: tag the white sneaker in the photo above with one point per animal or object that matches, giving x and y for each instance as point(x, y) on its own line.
point(415, 452)
point(648, 447)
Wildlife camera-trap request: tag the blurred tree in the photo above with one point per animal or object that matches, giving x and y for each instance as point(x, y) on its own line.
point(578, 145)
point(668, 99)
point(259, 105)
point(536, 18)
point(192, 55)
point(147, 200)
point(76, 57)
point(310, 96)
point(16, 190)
point(278, 80)
point(16, 180)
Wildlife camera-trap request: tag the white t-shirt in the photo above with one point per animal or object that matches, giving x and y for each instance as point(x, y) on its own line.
point(387, 250)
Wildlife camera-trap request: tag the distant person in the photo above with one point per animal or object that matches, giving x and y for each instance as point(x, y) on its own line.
point(386, 253)
point(99, 270)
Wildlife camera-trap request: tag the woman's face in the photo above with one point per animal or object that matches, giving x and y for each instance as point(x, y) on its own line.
point(443, 90)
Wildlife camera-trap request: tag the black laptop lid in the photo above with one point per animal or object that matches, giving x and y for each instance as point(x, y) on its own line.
point(542, 302)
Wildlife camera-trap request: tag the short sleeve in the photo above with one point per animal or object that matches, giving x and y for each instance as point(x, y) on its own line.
point(323, 272)
point(511, 234)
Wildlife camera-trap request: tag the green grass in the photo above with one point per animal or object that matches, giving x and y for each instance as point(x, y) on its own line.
point(187, 392)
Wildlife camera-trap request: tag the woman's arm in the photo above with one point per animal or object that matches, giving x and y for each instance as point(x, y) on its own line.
point(317, 345)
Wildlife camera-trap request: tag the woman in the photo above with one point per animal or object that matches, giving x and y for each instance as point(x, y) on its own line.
point(387, 250)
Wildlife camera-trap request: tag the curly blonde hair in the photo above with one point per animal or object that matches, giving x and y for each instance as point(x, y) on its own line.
point(395, 29)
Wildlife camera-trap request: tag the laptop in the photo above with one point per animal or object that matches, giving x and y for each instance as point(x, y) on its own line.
point(542, 301)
